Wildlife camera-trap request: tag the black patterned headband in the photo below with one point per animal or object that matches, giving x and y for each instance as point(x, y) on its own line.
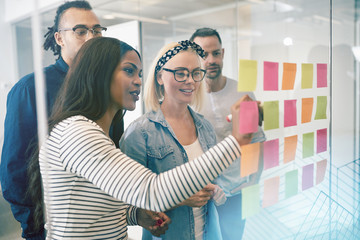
point(172, 52)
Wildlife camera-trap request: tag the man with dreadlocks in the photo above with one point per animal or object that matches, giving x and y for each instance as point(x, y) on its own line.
point(74, 24)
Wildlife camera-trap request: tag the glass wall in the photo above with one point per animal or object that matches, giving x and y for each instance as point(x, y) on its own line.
point(310, 184)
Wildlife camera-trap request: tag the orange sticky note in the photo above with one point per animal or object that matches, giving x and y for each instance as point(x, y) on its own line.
point(249, 159)
point(289, 73)
point(271, 191)
point(290, 144)
point(306, 109)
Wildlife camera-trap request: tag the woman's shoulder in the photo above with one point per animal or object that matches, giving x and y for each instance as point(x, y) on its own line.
point(199, 117)
point(141, 124)
point(76, 121)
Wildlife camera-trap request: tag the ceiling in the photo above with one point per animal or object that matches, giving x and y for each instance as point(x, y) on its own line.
point(178, 13)
point(175, 15)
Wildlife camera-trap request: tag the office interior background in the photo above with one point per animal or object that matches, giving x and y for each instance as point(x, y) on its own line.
point(325, 32)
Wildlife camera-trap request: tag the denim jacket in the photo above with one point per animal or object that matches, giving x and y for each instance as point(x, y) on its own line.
point(151, 141)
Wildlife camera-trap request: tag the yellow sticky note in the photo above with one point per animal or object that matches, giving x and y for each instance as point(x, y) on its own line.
point(321, 107)
point(307, 70)
point(249, 159)
point(247, 75)
point(250, 201)
point(271, 115)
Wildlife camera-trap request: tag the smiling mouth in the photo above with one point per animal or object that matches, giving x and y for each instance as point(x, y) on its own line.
point(135, 93)
point(187, 90)
point(212, 68)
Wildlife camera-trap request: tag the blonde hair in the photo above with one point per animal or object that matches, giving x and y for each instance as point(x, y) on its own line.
point(154, 92)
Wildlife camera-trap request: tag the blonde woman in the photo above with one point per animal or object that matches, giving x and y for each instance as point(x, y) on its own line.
point(171, 133)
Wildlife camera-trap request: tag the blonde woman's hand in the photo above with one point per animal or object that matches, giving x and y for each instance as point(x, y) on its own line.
point(200, 198)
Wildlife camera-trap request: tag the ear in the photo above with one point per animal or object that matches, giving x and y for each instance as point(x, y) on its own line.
point(58, 39)
point(159, 79)
point(222, 52)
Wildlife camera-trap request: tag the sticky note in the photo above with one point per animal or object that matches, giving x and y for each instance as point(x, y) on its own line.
point(271, 115)
point(307, 70)
point(271, 153)
point(290, 118)
point(290, 144)
point(249, 159)
point(307, 176)
point(249, 117)
point(271, 191)
point(247, 75)
point(308, 145)
point(291, 183)
point(250, 201)
point(320, 170)
point(321, 107)
point(271, 76)
point(289, 73)
point(306, 109)
point(321, 75)
point(321, 140)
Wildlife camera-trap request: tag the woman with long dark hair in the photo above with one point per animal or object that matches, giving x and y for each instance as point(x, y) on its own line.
point(88, 182)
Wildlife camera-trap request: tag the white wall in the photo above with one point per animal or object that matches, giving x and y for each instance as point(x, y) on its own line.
point(19, 9)
point(7, 66)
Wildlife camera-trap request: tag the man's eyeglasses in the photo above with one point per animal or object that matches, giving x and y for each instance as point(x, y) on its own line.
point(83, 31)
point(181, 75)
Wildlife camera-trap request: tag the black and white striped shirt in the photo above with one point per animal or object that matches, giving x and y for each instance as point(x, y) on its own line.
point(88, 182)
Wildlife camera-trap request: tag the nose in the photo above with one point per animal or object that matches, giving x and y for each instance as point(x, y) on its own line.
point(90, 34)
point(190, 79)
point(210, 59)
point(137, 81)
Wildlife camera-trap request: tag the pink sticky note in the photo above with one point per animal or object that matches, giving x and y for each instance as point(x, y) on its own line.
point(249, 117)
point(321, 140)
point(290, 113)
point(321, 75)
point(308, 176)
point(271, 76)
point(271, 153)
point(271, 191)
point(320, 170)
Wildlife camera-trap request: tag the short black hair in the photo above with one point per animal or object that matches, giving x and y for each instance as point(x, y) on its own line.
point(50, 42)
point(205, 32)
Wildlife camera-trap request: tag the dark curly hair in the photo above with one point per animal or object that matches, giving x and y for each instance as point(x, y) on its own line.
point(50, 42)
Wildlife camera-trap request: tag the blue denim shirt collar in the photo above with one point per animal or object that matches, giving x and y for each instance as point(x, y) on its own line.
point(159, 117)
point(61, 65)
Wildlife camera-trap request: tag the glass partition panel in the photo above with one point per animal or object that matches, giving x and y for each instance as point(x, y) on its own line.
point(301, 60)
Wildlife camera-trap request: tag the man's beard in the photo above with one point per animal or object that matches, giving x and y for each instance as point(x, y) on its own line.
point(214, 74)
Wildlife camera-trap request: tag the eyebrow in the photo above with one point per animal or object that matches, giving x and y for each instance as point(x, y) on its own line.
point(133, 65)
point(84, 26)
point(184, 68)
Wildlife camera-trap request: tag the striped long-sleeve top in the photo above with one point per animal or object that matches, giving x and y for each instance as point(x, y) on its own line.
point(88, 183)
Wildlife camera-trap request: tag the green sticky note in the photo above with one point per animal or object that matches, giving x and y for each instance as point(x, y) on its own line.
point(321, 107)
point(247, 75)
point(291, 183)
point(250, 200)
point(308, 145)
point(307, 70)
point(271, 115)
